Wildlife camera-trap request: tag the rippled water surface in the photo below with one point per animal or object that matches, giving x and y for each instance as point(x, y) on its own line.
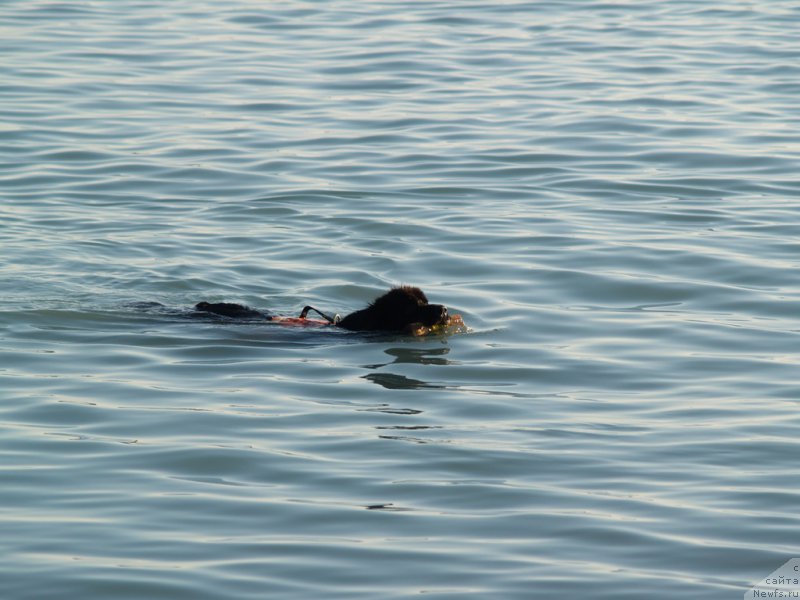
point(606, 191)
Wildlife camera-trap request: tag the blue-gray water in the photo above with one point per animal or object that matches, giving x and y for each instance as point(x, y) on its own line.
point(606, 191)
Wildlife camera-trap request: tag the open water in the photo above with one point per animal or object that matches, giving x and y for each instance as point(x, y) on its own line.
point(607, 191)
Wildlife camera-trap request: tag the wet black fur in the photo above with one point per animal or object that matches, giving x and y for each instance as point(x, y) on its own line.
point(401, 309)
point(229, 309)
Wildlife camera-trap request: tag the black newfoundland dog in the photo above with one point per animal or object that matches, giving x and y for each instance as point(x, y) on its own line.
point(403, 309)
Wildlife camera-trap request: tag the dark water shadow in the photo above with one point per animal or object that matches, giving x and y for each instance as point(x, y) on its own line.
point(390, 381)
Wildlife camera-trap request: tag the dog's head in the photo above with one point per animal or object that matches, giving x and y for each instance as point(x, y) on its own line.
point(402, 308)
point(408, 305)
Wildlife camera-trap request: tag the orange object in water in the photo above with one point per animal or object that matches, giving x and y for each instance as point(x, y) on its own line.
point(300, 321)
point(455, 324)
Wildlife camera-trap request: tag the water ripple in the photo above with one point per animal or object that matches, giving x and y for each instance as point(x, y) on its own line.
point(604, 190)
